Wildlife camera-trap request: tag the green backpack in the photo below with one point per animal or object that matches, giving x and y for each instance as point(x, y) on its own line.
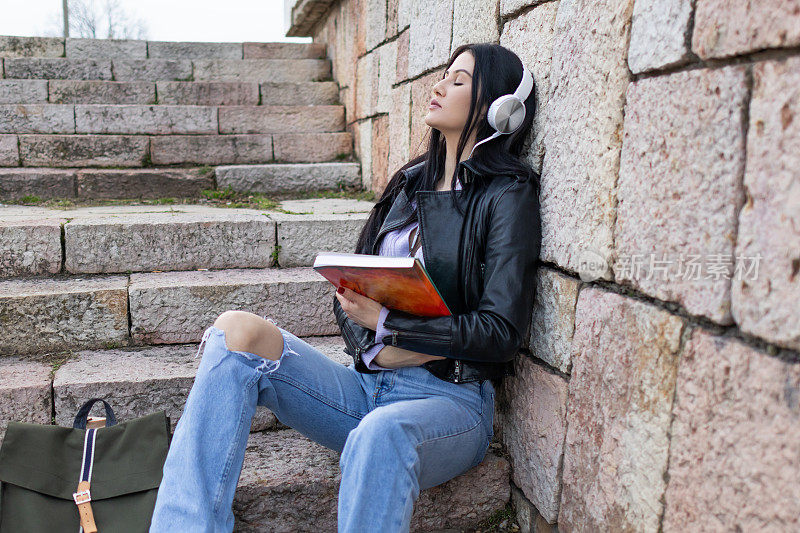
point(42, 465)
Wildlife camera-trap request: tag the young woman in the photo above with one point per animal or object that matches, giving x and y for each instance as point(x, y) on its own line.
point(415, 408)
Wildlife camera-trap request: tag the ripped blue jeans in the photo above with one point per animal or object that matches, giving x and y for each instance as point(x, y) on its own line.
point(398, 431)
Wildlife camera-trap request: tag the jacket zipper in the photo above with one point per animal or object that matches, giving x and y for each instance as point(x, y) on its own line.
point(352, 338)
point(413, 335)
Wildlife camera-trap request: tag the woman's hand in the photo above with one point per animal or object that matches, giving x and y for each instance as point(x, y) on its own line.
point(362, 310)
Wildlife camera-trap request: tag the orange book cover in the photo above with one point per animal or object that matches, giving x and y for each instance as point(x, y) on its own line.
point(400, 283)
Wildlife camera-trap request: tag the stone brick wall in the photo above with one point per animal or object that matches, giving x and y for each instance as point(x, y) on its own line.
point(660, 389)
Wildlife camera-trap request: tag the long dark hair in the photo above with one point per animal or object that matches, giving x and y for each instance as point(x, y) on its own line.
point(499, 71)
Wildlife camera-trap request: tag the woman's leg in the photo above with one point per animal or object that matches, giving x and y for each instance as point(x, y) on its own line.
point(206, 453)
point(426, 432)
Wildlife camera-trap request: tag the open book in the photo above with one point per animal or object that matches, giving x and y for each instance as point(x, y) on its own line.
point(400, 283)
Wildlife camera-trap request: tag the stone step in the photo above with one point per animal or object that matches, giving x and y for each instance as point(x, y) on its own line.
point(77, 312)
point(213, 93)
point(138, 381)
point(169, 119)
point(135, 381)
point(46, 183)
point(287, 177)
point(286, 478)
point(290, 483)
point(96, 150)
point(146, 241)
point(257, 70)
point(17, 46)
point(82, 183)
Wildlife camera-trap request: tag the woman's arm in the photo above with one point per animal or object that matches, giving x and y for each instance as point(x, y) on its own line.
point(367, 313)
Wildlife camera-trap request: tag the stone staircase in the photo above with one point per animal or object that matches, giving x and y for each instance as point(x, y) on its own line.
point(111, 300)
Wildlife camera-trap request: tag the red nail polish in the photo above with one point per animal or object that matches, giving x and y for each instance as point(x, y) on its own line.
point(340, 290)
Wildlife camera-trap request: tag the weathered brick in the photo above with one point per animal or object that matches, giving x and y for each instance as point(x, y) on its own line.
point(279, 119)
point(9, 151)
point(195, 240)
point(172, 307)
point(278, 178)
point(23, 91)
point(366, 85)
point(302, 237)
point(429, 36)
point(24, 392)
point(679, 185)
point(310, 93)
point(273, 70)
point(553, 318)
point(658, 34)
point(766, 282)
point(193, 50)
point(399, 132)
point(294, 147)
point(13, 46)
point(30, 247)
point(106, 48)
point(58, 68)
point(142, 183)
point(735, 440)
point(474, 22)
point(624, 366)
point(153, 119)
point(151, 69)
point(101, 92)
point(530, 36)
point(207, 92)
point(582, 130)
point(379, 152)
point(284, 50)
point(36, 118)
point(58, 314)
point(723, 28)
point(533, 430)
point(82, 150)
point(211, 149)
point(16, 183)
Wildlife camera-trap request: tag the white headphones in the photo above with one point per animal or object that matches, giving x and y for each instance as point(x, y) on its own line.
point(506, 113)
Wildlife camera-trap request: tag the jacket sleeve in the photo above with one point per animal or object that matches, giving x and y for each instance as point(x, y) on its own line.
point(355, 336)
point(493, 332)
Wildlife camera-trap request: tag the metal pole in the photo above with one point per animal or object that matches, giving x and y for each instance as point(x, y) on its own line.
point(65, 10)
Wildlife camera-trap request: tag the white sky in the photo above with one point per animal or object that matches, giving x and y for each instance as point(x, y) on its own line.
point(166, 20)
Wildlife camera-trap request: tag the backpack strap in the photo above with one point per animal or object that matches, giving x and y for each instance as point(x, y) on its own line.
point(83, 496)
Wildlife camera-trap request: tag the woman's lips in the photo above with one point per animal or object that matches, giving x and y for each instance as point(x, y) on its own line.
point(434, 106)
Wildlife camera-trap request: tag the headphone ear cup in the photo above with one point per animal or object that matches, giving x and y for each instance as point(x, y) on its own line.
point(510, 114)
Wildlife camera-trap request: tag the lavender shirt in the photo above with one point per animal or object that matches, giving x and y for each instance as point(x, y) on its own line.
point(394, 244)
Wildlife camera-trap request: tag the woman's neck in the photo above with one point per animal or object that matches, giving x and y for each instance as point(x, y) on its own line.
point(444, 182)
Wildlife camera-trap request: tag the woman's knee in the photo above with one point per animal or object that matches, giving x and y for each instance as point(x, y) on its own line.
point(248, 332)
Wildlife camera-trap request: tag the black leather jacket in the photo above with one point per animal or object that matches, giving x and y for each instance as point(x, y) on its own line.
point(483, 263)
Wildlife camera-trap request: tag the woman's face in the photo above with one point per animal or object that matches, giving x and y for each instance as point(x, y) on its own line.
point(453, 93)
